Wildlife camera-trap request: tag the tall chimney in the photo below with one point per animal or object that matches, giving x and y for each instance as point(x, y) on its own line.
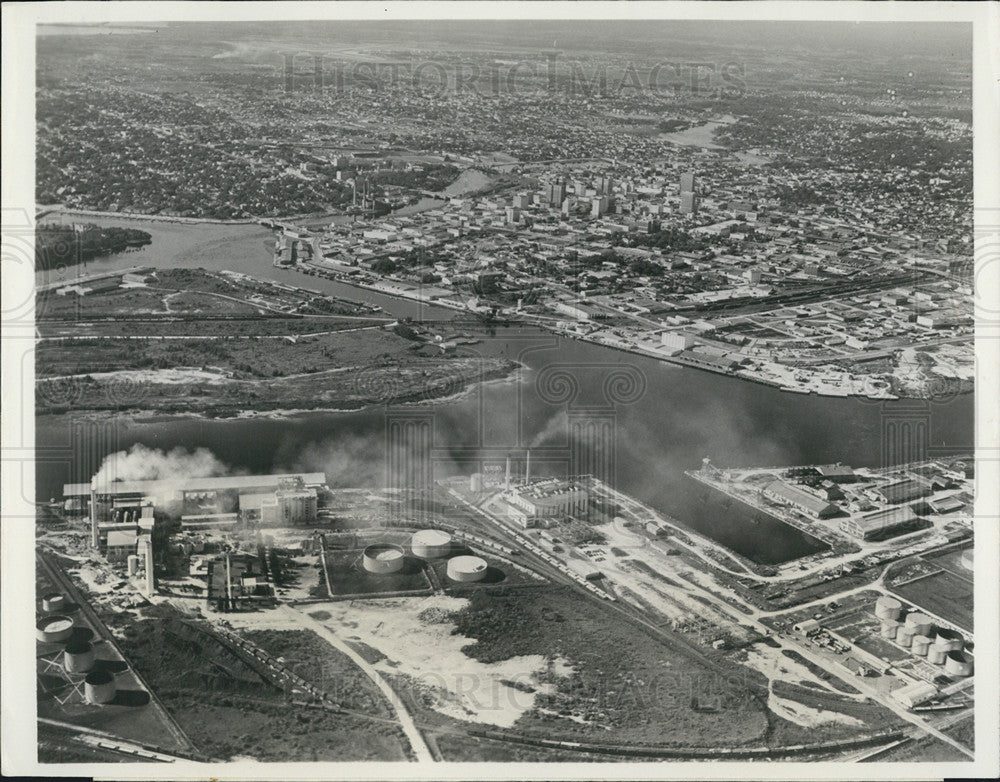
point(506, 480)
point(527, 466)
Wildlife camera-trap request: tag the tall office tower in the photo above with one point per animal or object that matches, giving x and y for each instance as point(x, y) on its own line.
point(689, 203)
point(687, 182)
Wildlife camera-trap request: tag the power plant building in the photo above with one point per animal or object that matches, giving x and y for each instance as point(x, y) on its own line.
point(540, 503)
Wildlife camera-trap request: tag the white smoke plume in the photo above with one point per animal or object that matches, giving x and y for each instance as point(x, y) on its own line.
point(174, 468)
point(556, 428)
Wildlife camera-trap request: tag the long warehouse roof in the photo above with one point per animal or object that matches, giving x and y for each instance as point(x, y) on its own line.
point(192, 484)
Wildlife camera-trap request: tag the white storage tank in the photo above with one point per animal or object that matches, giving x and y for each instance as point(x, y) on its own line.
point(936, 654)
point(133, 564)
point(430, 543)
point(467, 568)
point(383, 558)
point(99, 687)
point(904, 637)
point(958, 664)
point(78, 657)
point(920, 645)
point(919, 623)
point(889, 629)
point(887, 608)
point(54, 629)
point(967, 559)
point(948, 640)
point(53, 602)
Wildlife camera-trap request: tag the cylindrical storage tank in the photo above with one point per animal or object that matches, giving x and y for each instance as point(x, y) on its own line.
point(78, 657)
point(967, 559)
point(54, 629)
point(958, 664)
point(948, 640)
point(99, 687)
point(53, 602)
point(889, 629)
point(920, 645)
point(430, 543)
point(919, 623)
point(888, 608)
point(936, 654)
point(133, 564)
point(904, 637)
point(467, 568)
point(383, 558)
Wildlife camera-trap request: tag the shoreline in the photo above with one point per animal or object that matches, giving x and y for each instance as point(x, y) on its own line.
point(243, 413)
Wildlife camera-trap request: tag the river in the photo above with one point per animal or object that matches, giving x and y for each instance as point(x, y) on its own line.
point(683, 415)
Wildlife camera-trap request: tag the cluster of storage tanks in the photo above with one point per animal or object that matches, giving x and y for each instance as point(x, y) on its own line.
point(917, 633)
point(78, 655)
point(426, 544)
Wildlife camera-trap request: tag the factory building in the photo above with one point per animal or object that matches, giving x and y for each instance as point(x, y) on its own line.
point(915, 694)
point(121, 544)
point(810, 504)
point(881, 524)
point(541, 503)
point(205, 501)
point(899, 491)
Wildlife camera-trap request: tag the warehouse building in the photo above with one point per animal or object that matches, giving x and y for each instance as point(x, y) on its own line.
point(800, 499)
point(898, 491)
point(881, 524)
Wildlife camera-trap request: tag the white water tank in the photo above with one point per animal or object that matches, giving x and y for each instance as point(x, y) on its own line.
point(99, 687)
point(430, 543)
point(888, 608)
point(78, 657)
point(467, 568)
point(53, 602)
point(920, 645)
point(383, 558)
point(958, 664)
point(54, 629)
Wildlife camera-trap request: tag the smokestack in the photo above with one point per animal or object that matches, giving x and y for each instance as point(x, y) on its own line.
point(95, 533)
point(506, 479)
point(527, 466)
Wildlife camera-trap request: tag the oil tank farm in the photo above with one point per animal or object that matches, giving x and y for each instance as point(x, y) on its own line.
point(466, 569)
point(53, 602)
point(99, 687)
point(382, 558)
point(919, 624)
point(430, 544)
point(958, 663)
point(54, 629)
point(78, 656)
point(888, 608)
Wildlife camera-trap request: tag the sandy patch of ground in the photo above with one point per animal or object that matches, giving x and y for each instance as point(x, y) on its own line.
point(417, 640)
point(806, 716)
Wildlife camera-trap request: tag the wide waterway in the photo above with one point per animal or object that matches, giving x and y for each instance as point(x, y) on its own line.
point(683, 415)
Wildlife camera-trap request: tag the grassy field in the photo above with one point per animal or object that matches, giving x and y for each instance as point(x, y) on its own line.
point(964, 732)
point(229, 710)
point(628, 685)
point(943, 594)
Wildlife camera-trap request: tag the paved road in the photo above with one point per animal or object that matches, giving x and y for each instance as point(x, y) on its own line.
point(413, 735)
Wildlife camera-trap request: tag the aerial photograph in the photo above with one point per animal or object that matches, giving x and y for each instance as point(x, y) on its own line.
point(504, 391)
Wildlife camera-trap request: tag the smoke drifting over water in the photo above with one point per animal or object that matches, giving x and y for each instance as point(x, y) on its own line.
point(140, 463)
